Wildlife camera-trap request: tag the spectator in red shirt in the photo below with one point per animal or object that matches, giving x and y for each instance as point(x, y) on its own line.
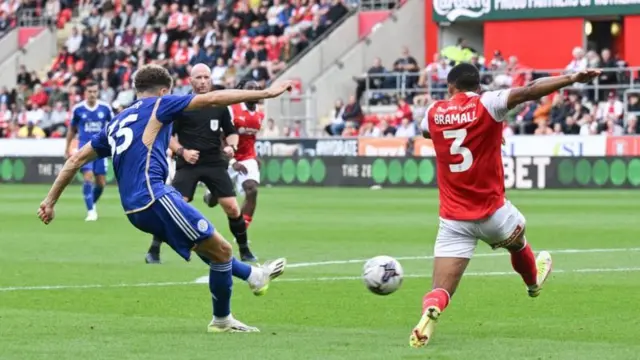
point(274, 48)
point(184, 54)
point(39, 97)
point(403, 112)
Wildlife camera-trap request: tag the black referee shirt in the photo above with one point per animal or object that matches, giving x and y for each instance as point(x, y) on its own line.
point(202, 130)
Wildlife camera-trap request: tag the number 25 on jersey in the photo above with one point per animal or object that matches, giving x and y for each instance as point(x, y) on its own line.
point(456, 148)
point(123, 132)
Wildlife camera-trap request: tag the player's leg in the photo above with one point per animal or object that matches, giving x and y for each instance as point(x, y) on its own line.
point(250, 189)
point(185, 181)
point(100, 172)
point(87, 191)
point(238, 227)
point(184, 230)
point(506, 229)
point(249, 183)
point(455, 244)
point(220, 187)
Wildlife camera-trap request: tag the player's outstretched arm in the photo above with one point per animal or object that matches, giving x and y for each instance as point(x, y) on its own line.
point(64, 178)
point(229, 97)
point(548, 85)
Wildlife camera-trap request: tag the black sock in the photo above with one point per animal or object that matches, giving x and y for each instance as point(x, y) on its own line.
point(155, 246)
point(239, 230)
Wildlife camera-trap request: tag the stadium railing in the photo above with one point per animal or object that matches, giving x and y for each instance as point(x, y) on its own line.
point(395, 83)
point(32, 17)
point(366, 5)
point(305, 105)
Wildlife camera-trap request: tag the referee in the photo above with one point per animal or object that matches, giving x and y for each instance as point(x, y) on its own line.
point(197, 143)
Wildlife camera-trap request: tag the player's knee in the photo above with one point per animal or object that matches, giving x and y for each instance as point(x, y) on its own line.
point(186, 199)
point(101, 181)
point(517, 244)
point(230, 206)
point(88, 176)
point(250, 189)
point(215, 249)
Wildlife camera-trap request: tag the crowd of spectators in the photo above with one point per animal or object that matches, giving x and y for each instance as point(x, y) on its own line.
point(579, 110)
point(239, 39)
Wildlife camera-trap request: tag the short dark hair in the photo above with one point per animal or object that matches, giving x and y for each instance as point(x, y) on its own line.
point(464, 77)
point(89, 84)
point(248, 85)
point(152, 77)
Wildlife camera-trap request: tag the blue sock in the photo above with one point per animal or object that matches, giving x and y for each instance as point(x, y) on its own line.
point(220, 284)
point(87, 191)
point(240, 269)
point(97, 192)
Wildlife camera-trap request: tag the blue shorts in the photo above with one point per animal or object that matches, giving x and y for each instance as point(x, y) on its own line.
point(98, 167)
point(174, 221)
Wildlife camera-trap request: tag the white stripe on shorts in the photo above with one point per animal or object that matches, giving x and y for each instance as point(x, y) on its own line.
point(178, 218)
point(181, 217)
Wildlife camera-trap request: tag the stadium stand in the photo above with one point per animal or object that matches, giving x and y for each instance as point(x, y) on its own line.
point(256, 39)
point(608, 106)
point(238, 39)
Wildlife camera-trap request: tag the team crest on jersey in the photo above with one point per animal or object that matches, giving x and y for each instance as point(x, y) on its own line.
point(84, 116)
point(214, 124)
point(100, 115)
point(202, 225)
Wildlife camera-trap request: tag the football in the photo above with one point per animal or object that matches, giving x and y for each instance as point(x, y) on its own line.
point(382, 275)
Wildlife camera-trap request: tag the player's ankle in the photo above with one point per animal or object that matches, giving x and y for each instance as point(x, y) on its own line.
point(438, 297)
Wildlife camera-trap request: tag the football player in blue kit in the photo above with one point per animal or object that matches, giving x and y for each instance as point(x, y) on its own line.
point(137, 140)
point(89, 118)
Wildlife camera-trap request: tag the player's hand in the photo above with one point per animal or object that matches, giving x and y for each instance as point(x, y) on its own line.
point(239, 168)
point(191, 156)
point(279, 88)
point(585, 76)
point(228, 151)
point(67, 153)
point(46, 212)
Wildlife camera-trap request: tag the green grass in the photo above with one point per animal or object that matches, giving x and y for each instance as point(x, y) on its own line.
point(579, 315)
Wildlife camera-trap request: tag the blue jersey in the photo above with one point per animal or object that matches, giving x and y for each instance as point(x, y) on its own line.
point(90, 120)
point(138, 146)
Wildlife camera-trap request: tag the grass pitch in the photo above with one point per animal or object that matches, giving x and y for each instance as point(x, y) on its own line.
point(76, 290)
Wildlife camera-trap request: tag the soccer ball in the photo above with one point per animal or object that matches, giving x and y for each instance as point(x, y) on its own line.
point(382, 275)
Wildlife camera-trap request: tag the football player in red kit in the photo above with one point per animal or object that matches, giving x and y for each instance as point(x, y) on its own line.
point(466, 131)
point(244, 169)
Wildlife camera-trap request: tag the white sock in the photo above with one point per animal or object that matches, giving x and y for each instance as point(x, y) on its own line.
point(222, 320)
point(254, 276)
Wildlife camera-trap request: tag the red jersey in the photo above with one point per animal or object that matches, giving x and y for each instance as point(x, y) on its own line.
point(467, 136)
point(248, 123)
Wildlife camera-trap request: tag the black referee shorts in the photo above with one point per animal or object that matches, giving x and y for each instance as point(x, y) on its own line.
point(216, 178)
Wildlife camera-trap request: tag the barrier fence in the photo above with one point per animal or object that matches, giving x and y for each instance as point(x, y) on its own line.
point(405, 83)
point(522, 172)
point(523, 145)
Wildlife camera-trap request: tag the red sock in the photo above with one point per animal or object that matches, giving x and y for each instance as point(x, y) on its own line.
point(247, 219)
point(524, 263)
point(438, 297)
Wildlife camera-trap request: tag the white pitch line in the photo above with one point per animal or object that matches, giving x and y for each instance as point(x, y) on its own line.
point(205, 279)
point(428, 257)
point(310, 279)
point(479, 274)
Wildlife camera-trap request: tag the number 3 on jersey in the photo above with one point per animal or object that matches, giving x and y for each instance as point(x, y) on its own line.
point(123, 133)
point(458, 137)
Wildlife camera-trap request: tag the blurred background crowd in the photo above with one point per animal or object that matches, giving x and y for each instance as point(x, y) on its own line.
point(254, 39)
